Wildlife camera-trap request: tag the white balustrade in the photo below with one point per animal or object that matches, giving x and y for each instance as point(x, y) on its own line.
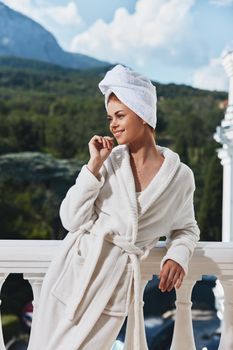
point(32, 258)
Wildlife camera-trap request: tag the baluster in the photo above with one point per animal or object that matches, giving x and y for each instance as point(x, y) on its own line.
point(183, 338)
point(226, 341)
point(35, 280)
point(3, 277)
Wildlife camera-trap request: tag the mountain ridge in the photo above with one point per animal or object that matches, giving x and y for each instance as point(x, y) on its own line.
point(23, 37)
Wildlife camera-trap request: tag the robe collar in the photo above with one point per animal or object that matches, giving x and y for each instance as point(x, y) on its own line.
point(158, 184)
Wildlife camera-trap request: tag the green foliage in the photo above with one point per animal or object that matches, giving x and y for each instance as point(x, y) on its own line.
point(10, 326)
point(210, 209)
point(32, 186)
point(49, 110)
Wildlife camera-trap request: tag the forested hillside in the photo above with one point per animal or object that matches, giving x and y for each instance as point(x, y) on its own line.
point(52, 112)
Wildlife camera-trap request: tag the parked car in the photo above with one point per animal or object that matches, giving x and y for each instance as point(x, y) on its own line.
point(26, 317)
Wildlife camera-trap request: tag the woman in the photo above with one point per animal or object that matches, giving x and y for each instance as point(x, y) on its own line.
point(122, 201)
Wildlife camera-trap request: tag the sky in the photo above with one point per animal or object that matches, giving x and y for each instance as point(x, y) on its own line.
point(169, 41)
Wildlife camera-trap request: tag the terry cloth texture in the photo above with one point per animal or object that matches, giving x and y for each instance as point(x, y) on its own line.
point(133, 89)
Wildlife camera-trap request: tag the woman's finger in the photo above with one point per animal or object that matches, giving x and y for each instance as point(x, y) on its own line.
point(108, 143)
point(170, 286)
point(104, 142)
point(96, 138)
point(170, 279)
point(179, 281)
point(174, 280)
point(162, 278)
point(177, 275)
point(166, 277)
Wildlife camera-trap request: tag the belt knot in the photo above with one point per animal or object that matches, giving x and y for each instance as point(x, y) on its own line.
point(125, 245)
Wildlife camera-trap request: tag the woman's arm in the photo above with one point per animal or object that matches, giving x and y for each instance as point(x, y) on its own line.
point(77, 207)
point(182, 239)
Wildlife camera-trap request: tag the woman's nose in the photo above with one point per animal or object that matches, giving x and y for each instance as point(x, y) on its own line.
point(114, 123)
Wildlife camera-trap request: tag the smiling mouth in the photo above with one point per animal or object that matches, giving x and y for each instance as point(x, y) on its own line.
point(118, 133)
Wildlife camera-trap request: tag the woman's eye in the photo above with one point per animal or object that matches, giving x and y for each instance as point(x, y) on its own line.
point(119, 116)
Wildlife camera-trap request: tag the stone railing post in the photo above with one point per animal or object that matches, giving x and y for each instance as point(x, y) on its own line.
point(183, 338)
point(226, 341)
point(35, 280)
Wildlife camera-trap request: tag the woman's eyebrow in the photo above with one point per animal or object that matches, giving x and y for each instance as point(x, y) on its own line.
point(121, 110)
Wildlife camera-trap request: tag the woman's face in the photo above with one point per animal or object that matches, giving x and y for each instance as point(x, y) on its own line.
point(125, 125)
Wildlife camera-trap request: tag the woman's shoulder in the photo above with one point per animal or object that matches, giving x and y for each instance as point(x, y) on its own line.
point(186, 169)
point(187, 175)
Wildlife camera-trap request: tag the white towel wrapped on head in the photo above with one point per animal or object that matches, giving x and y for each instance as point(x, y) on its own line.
point(133, 89)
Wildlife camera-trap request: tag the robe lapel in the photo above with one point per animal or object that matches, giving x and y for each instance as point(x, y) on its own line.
point(121, 165)
point(157, 185)
point(161, 180)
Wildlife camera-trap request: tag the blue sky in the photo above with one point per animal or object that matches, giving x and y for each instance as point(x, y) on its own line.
point(177, 41)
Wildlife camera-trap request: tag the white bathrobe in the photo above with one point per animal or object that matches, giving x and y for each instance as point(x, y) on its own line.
point(97, 268)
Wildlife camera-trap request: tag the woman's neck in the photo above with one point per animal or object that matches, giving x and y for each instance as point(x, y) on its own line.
point(144, 154)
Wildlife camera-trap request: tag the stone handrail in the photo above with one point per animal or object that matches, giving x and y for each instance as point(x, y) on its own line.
point(32, 258)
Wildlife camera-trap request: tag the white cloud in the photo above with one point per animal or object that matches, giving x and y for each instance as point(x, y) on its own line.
point(222, 2)
point(21, 6)
point(156, 25)
point(42, 12)
point(211, 76)
point(65, 15)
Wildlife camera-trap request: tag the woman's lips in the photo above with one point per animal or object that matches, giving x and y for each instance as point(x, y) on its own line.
point(118, 133)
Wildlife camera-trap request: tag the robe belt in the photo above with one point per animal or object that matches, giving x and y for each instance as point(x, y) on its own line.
point(135, 254)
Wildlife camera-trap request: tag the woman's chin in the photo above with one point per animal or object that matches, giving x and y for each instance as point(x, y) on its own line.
point(121, 142)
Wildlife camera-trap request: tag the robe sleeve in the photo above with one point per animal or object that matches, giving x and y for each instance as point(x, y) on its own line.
point(77, 207)
point(184, 234)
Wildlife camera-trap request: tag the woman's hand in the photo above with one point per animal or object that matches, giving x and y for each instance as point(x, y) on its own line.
point(171, 275)
point(99, 147)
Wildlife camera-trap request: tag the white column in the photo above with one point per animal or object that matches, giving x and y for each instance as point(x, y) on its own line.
point(183, 338)
point(226, 156)
point(3, 277)
point(227, 61)
point(224, 135)
point(226, 341)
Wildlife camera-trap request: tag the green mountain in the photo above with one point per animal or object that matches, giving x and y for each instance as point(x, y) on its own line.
point(51, 112)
